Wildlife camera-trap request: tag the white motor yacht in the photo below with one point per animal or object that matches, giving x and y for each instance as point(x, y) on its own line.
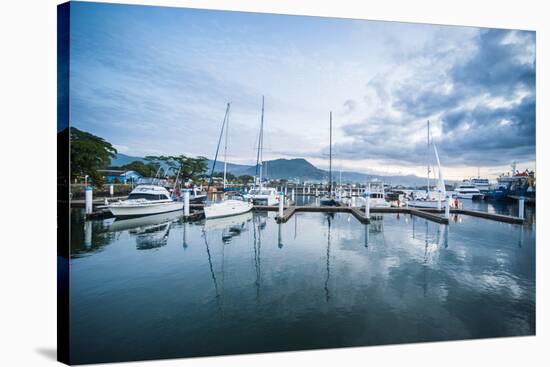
point(376, 195)
point(145, 200)
point(482, 184)
point(263, 196)
point(467, 191)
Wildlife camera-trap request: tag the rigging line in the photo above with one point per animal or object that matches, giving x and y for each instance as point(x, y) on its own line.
point(217, 149)
point(212, 270)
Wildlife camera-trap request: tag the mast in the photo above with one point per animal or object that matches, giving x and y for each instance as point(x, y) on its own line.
point(262, 143)
point(330, 159)
point(225, 149)
point(259, 157)
point(428, 159)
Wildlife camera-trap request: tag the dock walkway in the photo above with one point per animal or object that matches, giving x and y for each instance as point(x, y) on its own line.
point(197, 213)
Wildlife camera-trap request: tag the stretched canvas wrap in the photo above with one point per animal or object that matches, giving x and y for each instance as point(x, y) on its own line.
point(233, 182)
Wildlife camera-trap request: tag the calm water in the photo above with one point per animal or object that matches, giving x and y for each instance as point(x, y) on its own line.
point(156, 287)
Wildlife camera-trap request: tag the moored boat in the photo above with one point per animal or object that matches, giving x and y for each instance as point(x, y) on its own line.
point(145, 200)
point(466, 190)
point(263, 196)
point(233, 204)
point(434, 198)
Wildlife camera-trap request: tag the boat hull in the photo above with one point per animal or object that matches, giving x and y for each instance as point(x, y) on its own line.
point(328, 202)
point(473, 196)
point(226, 208)
point(432, 204)
point(127, 211)
point(268, 200)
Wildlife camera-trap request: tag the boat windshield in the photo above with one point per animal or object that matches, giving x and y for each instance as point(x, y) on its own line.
point(145, 196)
point(261, 192)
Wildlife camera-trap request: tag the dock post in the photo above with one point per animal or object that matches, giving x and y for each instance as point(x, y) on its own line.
point(88, 191)
point(447, 207)
point(111, 190)
point(439, 200)
point(367, 204)
point(88, 234)
point(286, 190)
point(186, 202)
point(292, 194)
point(279, 237)
point(185, 235)
point(521, 208)
point(316, 191)
point(281, 204)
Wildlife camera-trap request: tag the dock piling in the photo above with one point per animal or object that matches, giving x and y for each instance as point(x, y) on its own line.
point(367, 204)
point(281, 204)
point(186, 202)
point(447, 207)
point(521, 208)
point(439, 200)
point(89, 199)
point(111, 190)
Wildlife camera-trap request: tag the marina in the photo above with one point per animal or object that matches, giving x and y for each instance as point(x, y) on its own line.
point(240, 182)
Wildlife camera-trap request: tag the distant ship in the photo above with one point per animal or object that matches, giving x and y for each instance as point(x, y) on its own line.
point(518, 183)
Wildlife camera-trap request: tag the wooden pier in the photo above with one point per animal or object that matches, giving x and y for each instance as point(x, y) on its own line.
point(434, 215)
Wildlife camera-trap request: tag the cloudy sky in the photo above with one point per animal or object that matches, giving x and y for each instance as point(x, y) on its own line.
point(155, 80)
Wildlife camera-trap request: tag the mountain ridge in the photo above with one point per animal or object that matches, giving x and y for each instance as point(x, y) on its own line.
point(295, 169)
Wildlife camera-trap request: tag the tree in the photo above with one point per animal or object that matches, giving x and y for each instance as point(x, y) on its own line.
point(246, 179)
point(144, 169)
point(89, 153)
point(229, 176)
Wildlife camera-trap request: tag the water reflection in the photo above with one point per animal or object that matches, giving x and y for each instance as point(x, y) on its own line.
point(329, 218)
point(228, 226)
point(398, 279)
point(150, 232)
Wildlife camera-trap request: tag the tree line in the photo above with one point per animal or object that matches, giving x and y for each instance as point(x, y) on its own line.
point(90, 154)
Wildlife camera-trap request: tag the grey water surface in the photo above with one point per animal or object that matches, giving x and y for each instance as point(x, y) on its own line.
point(157, 287)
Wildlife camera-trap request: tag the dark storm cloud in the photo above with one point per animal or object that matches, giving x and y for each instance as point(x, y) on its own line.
point(485, 104)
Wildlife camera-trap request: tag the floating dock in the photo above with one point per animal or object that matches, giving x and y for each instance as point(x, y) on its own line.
point(434, 215)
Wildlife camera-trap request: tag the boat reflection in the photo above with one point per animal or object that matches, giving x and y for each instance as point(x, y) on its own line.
point(150, 232)
point(143, 222)
point(229, 226)
point(375, 227)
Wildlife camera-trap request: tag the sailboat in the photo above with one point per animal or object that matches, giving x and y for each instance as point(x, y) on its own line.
point(259, 194)
point(232, 203)
point(434, 198)
point(328, 199)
